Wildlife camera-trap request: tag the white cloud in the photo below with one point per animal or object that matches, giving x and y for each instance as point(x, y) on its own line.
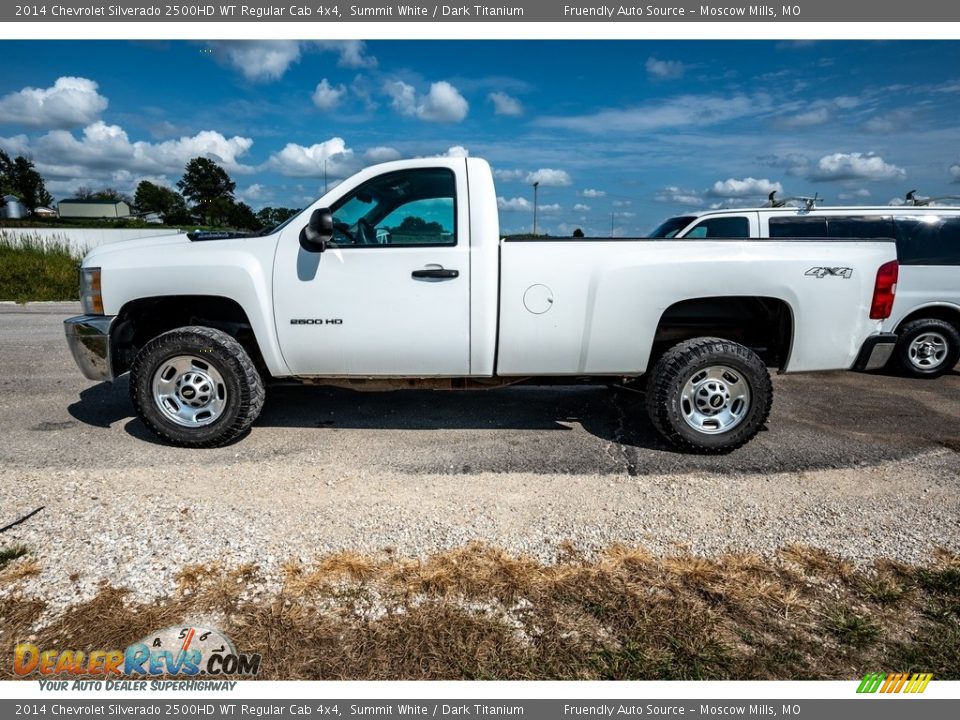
point(15, 145)
point(332, 157)
point(508, 175)
point(326, 96)
point(514, 204)
point(678, 196)
point(665, 69)
point(381, 154)
point(622, 203)
point(104, 150)
point(626, 214)
point(855, 195)
point(443, 103)
point(747, 187)
point(955, 172)
point(457, 151)
point(70, 102)
point(259, 60)
point(580, 207)
point(254, 193)
point(818, 116)
point(855, 166)
point(548, 177)
point(591, 193)
point(680, 111)
point(504, 104)
point(552, 208)
point(352, 53)
point(267, 60)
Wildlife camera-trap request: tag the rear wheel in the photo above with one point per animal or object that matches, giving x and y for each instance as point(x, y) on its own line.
point(927, 348)
point(709, 395)
point(196, 387)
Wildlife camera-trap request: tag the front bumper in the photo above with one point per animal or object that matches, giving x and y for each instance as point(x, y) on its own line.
point(875, 353)
point(89, 339)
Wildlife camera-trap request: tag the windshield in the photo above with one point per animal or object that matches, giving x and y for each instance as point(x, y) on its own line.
point(671, 227)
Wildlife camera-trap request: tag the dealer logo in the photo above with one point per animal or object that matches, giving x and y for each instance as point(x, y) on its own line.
point(189, 651)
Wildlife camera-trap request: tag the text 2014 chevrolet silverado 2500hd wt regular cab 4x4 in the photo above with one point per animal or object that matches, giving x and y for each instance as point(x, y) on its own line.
point(398, 277)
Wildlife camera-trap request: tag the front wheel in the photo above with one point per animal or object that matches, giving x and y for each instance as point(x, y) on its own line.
point(709, 395)
point(196, 387)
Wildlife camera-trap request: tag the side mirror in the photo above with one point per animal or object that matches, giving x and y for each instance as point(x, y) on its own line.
point(318, 232)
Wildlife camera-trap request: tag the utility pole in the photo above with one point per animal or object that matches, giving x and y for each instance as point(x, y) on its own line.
point(535, 186)
point(325, 176)
point(613, 214)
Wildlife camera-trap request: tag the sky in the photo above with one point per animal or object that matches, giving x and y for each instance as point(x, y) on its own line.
point(619, 134)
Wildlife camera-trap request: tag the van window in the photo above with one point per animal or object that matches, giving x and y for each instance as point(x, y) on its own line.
point(720, 228)
point(928, 240)
point(801, 227)
point(860, 226)
point(670, 227)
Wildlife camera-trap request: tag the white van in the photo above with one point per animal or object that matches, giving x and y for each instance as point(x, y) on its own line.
point(926, 312)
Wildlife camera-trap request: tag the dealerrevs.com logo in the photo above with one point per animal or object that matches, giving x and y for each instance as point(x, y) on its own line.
point(175, 651)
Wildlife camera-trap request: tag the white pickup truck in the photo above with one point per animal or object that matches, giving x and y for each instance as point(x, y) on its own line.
point(398, 278)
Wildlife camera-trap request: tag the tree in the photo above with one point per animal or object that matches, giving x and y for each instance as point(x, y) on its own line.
point(208, 185)
point(110, 194)
point(241, 216)
point(19, 177)
point(578, 233)
point(271, 217)
point(412, 225)
point(166, 201)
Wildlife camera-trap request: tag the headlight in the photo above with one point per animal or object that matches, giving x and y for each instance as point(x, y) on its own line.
point(90, 295)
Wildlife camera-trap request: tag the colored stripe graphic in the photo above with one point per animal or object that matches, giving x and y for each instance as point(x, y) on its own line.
point(894, 683)
point(871, 682)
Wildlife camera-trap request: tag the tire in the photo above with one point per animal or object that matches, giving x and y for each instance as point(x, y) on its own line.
point(709, 395)
point(196, 387)
point(926, 348)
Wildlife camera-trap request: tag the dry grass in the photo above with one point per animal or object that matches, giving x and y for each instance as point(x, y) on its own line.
point(480, 613)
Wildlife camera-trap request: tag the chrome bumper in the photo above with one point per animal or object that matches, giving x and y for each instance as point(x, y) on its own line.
point(89, 339)
point(875, 353)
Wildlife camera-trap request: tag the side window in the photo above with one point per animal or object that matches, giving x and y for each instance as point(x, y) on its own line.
point(410, 207)
point(861, 226)
point(720, 228)
point(928, 240)
point(801, 227)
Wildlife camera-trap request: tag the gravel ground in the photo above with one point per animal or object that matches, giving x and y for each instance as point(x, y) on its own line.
point(864, 466)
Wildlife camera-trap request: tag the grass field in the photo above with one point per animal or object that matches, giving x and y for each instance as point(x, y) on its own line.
point(32, 268)
point(478, 613)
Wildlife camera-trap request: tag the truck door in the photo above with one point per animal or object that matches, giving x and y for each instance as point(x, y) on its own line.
point(390, 295)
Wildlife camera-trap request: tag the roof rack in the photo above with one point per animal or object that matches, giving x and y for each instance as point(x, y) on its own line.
point(912, 199)
point(809, 203)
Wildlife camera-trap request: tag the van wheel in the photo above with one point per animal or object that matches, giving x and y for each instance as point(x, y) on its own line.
point(196, 387)
point(709, 395)
point(927, 348)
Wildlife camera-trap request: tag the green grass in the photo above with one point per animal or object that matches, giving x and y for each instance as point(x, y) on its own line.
point(11, 552)
point(33, 268)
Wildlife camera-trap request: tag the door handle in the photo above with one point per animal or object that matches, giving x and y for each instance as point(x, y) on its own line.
point(439, 273)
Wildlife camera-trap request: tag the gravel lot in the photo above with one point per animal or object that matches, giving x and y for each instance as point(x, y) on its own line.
point(861, 465)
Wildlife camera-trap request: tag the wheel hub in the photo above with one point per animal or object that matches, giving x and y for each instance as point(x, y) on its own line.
point(715, 399)
point(189, 391)
point(928, 350)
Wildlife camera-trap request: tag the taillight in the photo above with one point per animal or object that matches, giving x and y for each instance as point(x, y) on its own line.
point(884, 290)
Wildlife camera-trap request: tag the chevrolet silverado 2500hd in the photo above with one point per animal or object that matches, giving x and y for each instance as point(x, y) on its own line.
point(398, 277)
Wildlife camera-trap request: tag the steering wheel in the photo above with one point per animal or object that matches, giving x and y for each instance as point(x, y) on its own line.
point(345, 229)
point(366, 232)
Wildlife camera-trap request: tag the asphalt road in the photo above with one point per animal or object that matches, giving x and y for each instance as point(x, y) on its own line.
point(863, 465)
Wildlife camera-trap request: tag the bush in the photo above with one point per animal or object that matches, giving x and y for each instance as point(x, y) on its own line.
point(33, 268)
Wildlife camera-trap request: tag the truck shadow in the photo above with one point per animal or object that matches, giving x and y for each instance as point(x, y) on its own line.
point(832, 420)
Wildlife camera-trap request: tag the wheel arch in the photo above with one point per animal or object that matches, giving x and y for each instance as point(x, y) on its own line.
point(934, 311)
point(764, 324)
point(142, 319)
